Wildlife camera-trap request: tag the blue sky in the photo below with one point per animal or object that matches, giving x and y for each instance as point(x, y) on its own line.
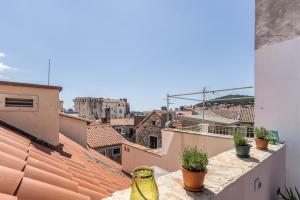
point(139, 49)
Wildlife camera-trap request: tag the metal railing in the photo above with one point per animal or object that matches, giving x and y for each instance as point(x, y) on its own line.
point(221, 129)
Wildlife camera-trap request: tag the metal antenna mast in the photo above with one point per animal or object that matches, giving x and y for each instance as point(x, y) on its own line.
point(168, 107)
point(203, 103)
point(49, 70)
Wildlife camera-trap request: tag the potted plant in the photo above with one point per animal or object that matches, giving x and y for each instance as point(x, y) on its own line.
point(272, 140)
point(194, 163)
point(290, 194)
point(242, 145)
point(261, 138)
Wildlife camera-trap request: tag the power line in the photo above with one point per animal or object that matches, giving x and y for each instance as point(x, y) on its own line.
point(211, 91)
point(204, 94)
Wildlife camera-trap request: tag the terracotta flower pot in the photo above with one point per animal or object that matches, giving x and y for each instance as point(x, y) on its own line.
point(261, 144)
point(193, 181)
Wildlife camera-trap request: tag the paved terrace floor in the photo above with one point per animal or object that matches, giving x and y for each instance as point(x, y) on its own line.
point(223, 170)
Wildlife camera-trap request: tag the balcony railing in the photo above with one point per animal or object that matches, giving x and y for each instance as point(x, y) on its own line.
point(221, 129)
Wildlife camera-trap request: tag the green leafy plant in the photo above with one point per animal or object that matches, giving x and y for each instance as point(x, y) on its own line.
point(240, 139)
point(272, 140)
point(194, 160)
point(290, 194)
point(261, 133)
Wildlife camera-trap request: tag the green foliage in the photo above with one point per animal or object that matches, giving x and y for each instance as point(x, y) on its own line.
point(261, 133)
point(232, 99)
point(240, 139)
point(290, 194)
point(194, 160)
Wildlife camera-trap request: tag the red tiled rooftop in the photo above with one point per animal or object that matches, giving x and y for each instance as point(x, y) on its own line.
point(122, 122)
point(103, 135)
point(29, 171)
point(242, 113)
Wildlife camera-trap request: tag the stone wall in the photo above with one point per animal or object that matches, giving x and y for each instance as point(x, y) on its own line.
point(276, 21)
point(147, 129)
point(127, 131)
point(94, 108)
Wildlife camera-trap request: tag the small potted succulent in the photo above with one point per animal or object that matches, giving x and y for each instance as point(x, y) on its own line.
point(272, 140)
point(242, 145)
point(273, 137)
point(194, 163)
point(261, 138)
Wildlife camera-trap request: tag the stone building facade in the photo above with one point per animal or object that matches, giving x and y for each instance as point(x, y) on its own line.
point(125, 127)
point(99, 108)
point(148, 131)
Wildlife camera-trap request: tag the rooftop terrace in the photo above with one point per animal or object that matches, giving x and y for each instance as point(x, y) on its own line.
point(229, 177)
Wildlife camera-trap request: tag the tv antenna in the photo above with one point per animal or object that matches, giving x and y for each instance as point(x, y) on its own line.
point(49, 70)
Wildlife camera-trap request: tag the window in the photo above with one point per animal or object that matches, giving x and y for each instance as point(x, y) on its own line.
point(103, 152)
point(153, 123)
point(19, 102)
point(153, 142)
point(116, 151)
point(120, 111)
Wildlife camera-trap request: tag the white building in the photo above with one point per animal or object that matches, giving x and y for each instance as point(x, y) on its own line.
point(98, 108)
point(277, 76)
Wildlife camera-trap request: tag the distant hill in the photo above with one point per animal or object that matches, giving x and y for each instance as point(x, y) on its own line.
point(229, 100)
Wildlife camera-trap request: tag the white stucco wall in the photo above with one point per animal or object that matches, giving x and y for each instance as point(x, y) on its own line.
point(74, 129)
point(42, 123)
point(173, 143)
point(277, 98)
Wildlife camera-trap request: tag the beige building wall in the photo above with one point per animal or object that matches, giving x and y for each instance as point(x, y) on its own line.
point(73, 128)
point(174, 141)
point(43, 123)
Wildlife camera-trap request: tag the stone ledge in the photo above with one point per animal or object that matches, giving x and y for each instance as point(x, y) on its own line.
point(223, 170)
point(199, 133)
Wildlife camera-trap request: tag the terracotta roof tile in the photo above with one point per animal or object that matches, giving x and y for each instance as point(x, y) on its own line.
point(29, 171)
point(47, 177)
point(13, 151)
point(122, 122)
point(10, 179)
point(102, 135)
point(7, 197)
point(31, 189)
point(12, 162)
point(48, 168)
point(242, 113)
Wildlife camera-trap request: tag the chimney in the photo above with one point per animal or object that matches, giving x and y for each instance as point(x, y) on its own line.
point(106, 119)
point(31, 108)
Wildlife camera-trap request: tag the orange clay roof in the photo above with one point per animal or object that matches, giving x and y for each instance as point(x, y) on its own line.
point(103, 135)
point(242, 113)
point(122, 122)
point(29, 171)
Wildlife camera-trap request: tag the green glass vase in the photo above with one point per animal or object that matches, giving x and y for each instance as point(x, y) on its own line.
point(143, 185)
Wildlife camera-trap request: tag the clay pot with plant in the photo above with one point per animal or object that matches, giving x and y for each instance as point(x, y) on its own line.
point(194, 163)
point(242, 145)
point(261, 138)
